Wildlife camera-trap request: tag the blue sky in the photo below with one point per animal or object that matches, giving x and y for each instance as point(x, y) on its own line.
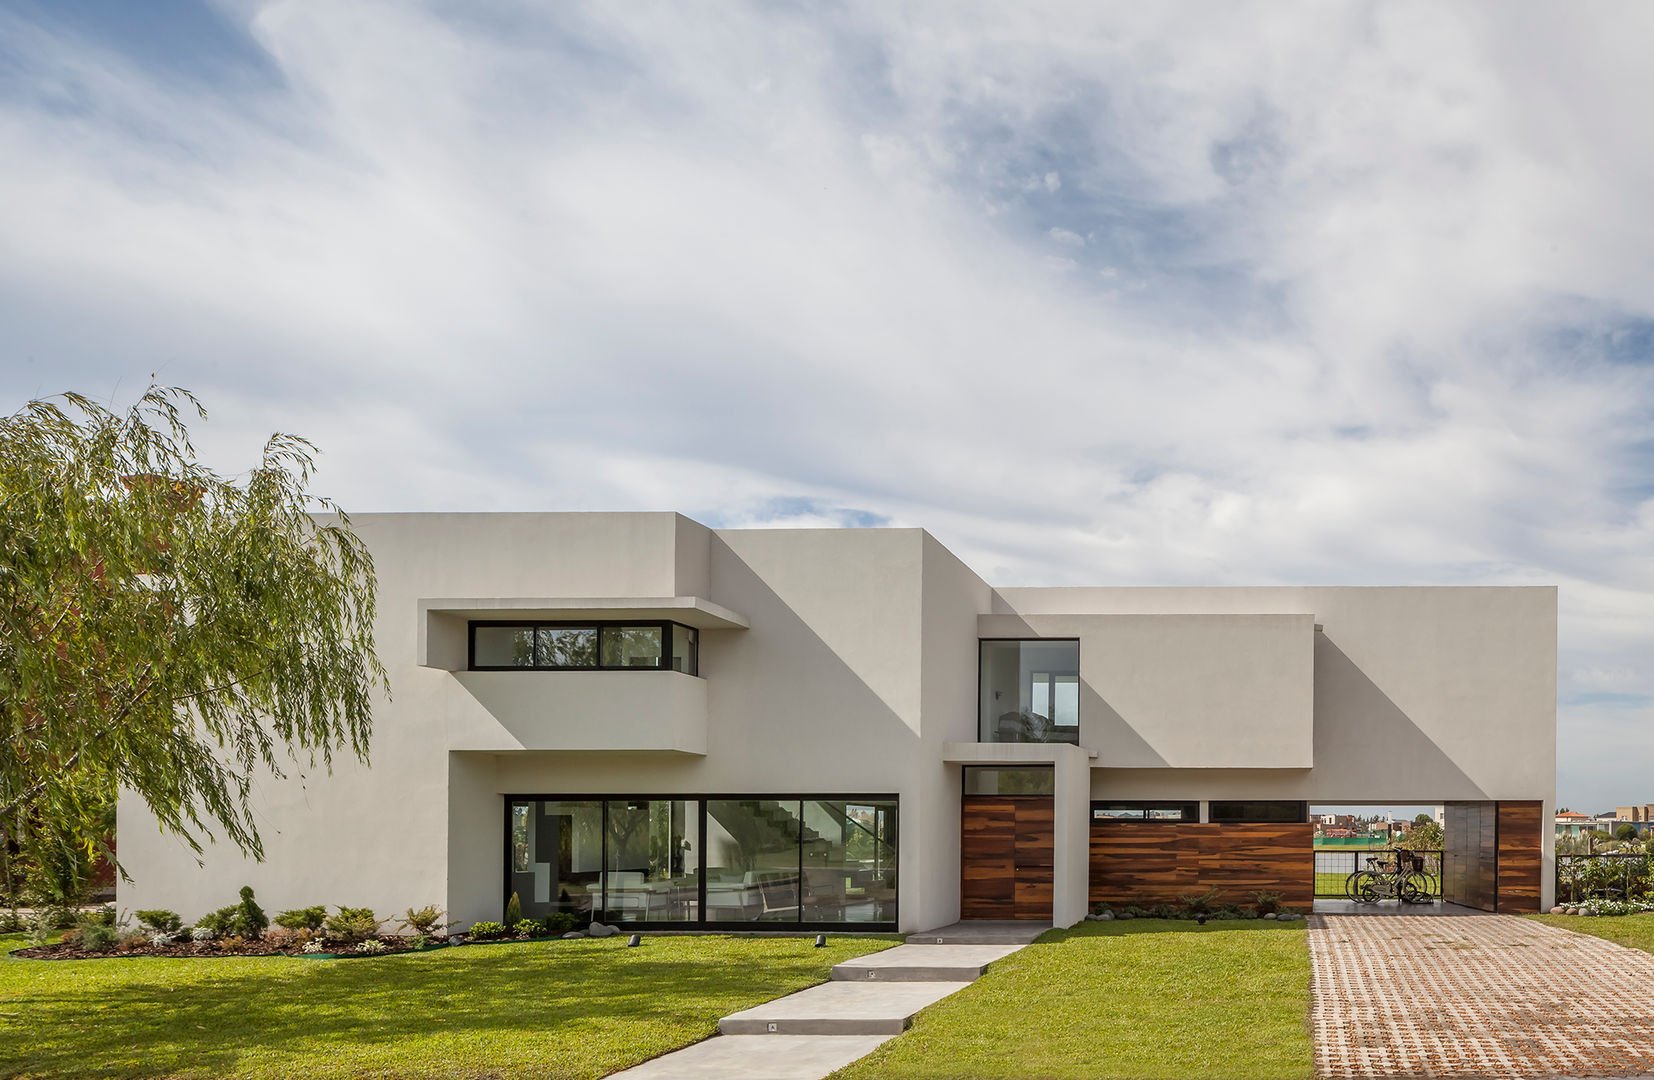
point(1205, 294)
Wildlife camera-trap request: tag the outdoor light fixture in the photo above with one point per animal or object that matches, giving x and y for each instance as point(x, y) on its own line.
point(634, 940)
point(821, 940)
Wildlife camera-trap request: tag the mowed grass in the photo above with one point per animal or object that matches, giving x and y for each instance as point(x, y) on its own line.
point(1144, 999)
point(1632, 931)
point(542, 1010)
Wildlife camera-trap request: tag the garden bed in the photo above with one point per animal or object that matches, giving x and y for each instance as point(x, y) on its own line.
point(201, 950)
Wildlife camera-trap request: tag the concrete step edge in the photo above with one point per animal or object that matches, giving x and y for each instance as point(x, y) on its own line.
point(908, 973)
point(893, 1025)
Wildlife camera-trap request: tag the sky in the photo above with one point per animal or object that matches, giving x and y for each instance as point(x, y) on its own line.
point(1205, 294)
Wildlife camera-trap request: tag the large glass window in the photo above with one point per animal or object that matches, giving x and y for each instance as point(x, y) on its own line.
point(705, 862)
point(752, 871)
point(849, 865)
point(557, 857)
point(1030, 691)
point(653, 861)
point(560, 646)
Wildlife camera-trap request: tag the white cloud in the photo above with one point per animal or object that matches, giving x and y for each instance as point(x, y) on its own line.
point(1357, 302)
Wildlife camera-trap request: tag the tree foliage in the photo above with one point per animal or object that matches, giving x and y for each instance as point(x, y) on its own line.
point(165, 629)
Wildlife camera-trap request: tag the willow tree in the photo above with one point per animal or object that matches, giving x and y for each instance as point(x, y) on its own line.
point(166, 630)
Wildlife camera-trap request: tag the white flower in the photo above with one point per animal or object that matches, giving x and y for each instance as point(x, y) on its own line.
point(314, 946)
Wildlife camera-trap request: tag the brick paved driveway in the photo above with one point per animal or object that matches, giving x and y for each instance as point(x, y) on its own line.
point(1476, 996)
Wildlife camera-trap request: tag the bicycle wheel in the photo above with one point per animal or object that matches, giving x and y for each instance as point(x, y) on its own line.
point(1409, 891)
point(1364, 887)
point(1372, 889)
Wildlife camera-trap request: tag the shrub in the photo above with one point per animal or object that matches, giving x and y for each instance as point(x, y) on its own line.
point(1266, 901)
point(418, 941)
point(159, 920)
point(371, 947)
point(233, 943)
point(315, 946)
point(352, 925)
point(1162, 911)
point(250, 920)
point(220, 922)
point(283, 937)
point(561, 922)
point(513, 911)
point(1101, 909)
point(160, 939)
point(528, 928)
point(309, 918)
point(1132, 910)
point(1201, 903)
point(202, 933)
point(97, 936)
point(41, 925)
point(426, 920)
point(487, 931)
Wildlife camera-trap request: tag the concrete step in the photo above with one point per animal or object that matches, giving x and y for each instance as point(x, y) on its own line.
point(981, 933)
point(757, 1057)
point(840, 1008)
point(923, 963)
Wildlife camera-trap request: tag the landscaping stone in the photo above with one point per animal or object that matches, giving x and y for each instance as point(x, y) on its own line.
point(1126, 915)
point(574, 934)
point(1559, 910)
point(1271, 915)
point(601, 930)
point(1107, 916)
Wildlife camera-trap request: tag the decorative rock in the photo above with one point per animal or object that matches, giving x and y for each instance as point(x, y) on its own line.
point(1559, 910)
point(1586, 911)
point(599, 930)
point(574, 934)
point(1125, 915)
point(1107, 916)
point(1271, 915)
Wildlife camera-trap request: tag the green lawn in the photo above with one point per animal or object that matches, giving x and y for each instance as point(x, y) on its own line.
point(1635, 931)
point(558, 1009)
point(1140, 1000)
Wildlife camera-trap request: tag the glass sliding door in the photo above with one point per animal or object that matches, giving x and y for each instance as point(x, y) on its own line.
point(557, 856)
point(654, 852)
point(752, 860)
point(849, 851)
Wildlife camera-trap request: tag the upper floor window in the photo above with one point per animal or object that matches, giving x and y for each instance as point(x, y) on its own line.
point(567, 646)
point(1030, 691)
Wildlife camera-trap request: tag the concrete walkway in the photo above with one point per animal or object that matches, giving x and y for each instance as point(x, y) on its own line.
point(867, 1000)
point(1478, 996)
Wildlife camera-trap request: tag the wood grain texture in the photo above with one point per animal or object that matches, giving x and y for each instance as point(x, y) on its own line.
point(1146, 863)
point(1006, 857)
point(1521, 836)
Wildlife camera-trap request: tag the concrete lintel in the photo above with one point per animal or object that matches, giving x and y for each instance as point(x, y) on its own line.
point(987, 753)
point(442, 639)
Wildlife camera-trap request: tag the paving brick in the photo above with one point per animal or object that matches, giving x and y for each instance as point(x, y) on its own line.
point(1477, 996)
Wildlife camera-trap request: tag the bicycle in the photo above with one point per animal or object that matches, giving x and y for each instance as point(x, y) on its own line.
point(1391, 876)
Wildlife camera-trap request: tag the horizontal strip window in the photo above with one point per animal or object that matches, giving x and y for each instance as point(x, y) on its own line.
point(1257, 811)
point(1145, 811)
point(778, 861)
point(585, 646)
point(1010, 780)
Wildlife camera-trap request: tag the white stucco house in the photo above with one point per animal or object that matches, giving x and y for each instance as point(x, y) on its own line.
point(637, 718)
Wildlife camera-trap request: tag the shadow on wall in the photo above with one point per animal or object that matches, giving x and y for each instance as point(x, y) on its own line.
point(1367, 744)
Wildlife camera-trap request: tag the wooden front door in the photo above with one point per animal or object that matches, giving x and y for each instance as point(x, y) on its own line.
point(1007, 857)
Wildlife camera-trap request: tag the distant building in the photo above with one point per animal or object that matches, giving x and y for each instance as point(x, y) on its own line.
point(1573, 823)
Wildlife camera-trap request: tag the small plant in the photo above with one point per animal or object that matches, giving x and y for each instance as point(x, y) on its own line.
point(1132, 911)
point(202, 933)
point(370, 947)
point(1162, 911)
point(160, 939)
point(96, 936)
point(41, 925)
point(1201, 903)
point(233, 943)
point(418, 941)
point(159, 920)
point(426, 920)
point(1266, 902)
point(11, 924)
point(513, 911)
point(487, 930)
point(220, 922)
point(315, 945)
point(1101, 909)
point(250, 920)
point(352, 925)
point(527, 928)
point(132, 939)
point(283, 937)
point(560, 922)
point(309, 918)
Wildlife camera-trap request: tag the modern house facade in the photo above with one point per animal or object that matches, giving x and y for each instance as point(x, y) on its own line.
point(636, 718)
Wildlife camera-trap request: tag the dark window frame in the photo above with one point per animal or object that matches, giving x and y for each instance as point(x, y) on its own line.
point(1301, 812)
point(700, 800)
point(1190, 810)
point(599, 625)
